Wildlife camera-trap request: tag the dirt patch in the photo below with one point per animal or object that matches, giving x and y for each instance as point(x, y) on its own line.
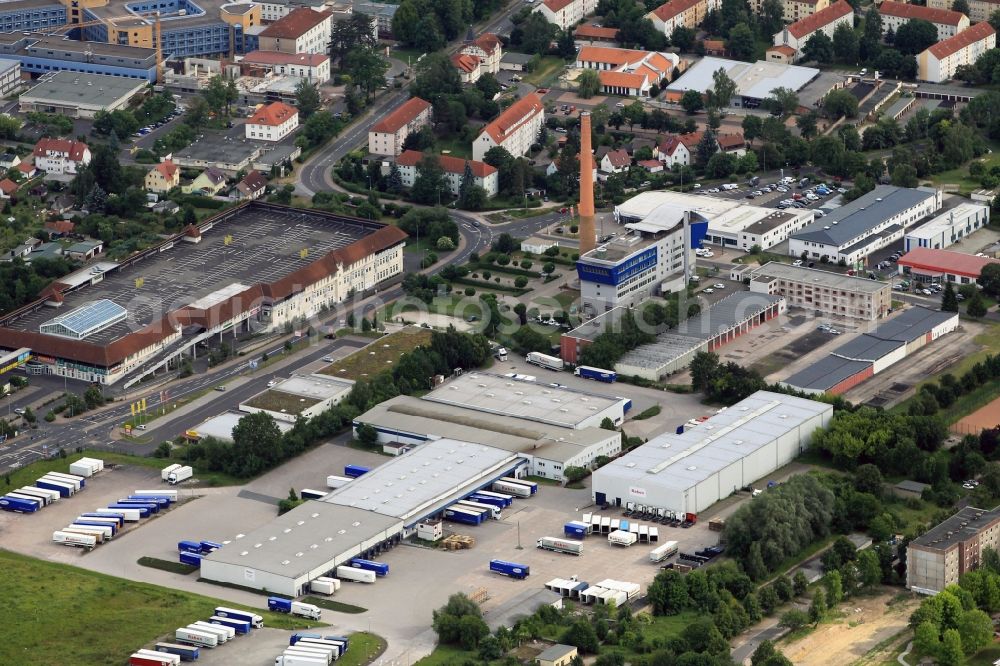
point(983, 418)
point(865, 623)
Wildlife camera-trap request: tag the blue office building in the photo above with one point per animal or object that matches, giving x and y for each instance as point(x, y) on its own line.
point(27, 15)
point(40, 54)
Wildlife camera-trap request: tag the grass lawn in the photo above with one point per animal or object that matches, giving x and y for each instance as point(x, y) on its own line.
point(446, 655)
point(365, 648)
point(167, 565)
point(960, 176)
point(454, 146)
point(378, 356)
point(547, 71)
point(26, 475)
point(330, 604)
point(985, 657)
point(104, 618)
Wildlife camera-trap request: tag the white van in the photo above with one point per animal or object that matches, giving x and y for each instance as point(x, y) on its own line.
point(730, 186)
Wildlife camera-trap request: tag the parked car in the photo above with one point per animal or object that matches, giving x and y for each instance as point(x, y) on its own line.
point(719, 285)
point(708, 291)
point(797, 262)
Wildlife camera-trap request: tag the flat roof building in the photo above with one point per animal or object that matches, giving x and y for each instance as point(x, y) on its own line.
point(949, 227)
point(720, 324)
point(299, 396)
point(575, 341)
point(41, 54)
point(754, 81)
point(534, 401)
point(822, 291)
point(928, 265)
point(221, 427)
point(939, 557)
point(687, 473)
point(869, 223)
point(870, 353)
point(80, 94)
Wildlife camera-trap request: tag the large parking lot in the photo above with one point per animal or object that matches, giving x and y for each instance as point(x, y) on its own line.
point(773, 198)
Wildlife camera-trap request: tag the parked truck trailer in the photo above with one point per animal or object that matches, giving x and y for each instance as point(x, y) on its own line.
point(355, 575)
point(255, 620)
point(64, 538)
point(380, 568)
point(185, 652)
point(188, 636)
point(597, 374)
point(515, 489)
point(281, 605)
point(512, 569)
point(561, 545)
point(333, 481)
point(622, 538)
point(544, 360)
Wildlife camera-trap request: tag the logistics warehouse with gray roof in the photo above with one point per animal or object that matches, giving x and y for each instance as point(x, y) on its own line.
point(360, 519)
point(254, 267)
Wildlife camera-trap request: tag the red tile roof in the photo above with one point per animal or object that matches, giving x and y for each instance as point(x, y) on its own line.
point(623, 79)
point(650, 164)
point(26, 167)
point(619, 158)
point(783, 49)
point(907, 11)
point(466, 63)
point(296, 23)
point(274, 114)
point(556, 5)
point(252, 182)
point(488, 42)
point(814, 22)
point(167, 169)
point(945, 261)
point(593, 32)
point(60, 226)
point(74, 150)
point(731, 141)
point(968, 36)
point(669, 10)
point(279, 58)
point(7, 186)
point(714, 45)
point(450, 164)
point(515, 115)
point(402, 116)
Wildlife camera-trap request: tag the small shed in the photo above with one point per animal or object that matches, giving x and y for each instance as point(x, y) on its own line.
point(557, 655)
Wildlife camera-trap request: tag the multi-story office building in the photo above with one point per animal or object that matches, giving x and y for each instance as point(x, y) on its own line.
point(41, 54)
point(31, 15)
point(823, 291)
point(941, 555)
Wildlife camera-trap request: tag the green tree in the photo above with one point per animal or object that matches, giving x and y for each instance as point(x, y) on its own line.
point(818, 605)
point(307, 99)
point(925, 639)
point(975, 628)
point(582, 635)
point(782, 102)
point(949, 300)
point(839, 103)
point(721, 93)
point(367, 69)
point(951, 653)
point(807, 124)
point(588, 83)
point(794, 619)
point(683, 38)
point(961, 6)
point(834, 588)
point(741, 44)
point(534, 34)
point(668, 593)
point(871, 40)
point(846, 45)
point(799, 583)
point(989, 279)
point(430, 182)
point(818, 48)
point(915, 36)
point(976, 306)
point(256, 444)
point(768, 655)
point(692, 102)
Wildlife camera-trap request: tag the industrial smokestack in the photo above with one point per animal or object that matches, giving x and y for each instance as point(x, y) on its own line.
point(588, 231)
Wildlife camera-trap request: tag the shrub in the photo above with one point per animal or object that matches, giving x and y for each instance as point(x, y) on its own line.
point(469, 291)
point(521, 282)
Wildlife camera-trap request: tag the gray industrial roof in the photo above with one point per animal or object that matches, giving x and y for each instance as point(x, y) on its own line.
point(962, 526)
point(424, 479)
point(307, 537)
point(911, 324)
point(320, 387)
point(826, 373)
point(589, 330)
point(536, 401)
point(757, 80)
point(851, 220)
point(679, 462)
point(815, 276)
point(422, 417)
point(77, 88)
point(867, 348)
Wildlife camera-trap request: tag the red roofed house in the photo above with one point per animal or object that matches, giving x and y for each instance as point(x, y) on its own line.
point(566, 13)
point(467, 66)
point(28, 169)
point(732, 143)
point(591, 35)
point(627, 71)
point(251, 187)
point(929, 265)
point(516, 128)
point(652, 166)
point(939, 62)
point(312, 66)
point(678, 149)
point(163, 177)
point(60, 227)
point(483, 175)
point(272, 122)
point(7, 188)
point(675, 14)
point(615, 161)
point(388, 135)
point(60, 155)
point(826, 21)
point(303, 30)
point(948, 23)
point(487, 51)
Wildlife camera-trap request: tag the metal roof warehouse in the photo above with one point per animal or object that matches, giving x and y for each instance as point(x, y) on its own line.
point(370, 514)
point(689, 472)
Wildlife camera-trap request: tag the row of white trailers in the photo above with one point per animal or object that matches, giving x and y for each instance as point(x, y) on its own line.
point(610, 592)
point(606, 525)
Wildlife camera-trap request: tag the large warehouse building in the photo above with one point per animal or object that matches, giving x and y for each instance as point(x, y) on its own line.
point(366, 516)
point(227, 275)
point(689, 472)
point(870, 353)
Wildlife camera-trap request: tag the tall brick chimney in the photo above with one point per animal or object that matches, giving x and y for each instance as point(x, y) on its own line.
point(588, 231)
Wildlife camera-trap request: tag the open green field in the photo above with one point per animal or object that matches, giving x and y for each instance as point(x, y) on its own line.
point(379, 355)
point(24, 476)
point(55, 609)
point(960, 176)
point(546, 72)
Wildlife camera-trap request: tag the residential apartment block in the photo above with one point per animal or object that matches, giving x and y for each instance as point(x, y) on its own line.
point(937, 558)
point(948, 23)
point(939, 62)
point(60, 155)
point(516, 129)
point(389, 134)
point(302, 30)
point(788, 43)
point(483, 175)
point(679, 13)
point(627, 71)
point(794, 10)
point(979, 10)
point(823, 291)
point(272, 122)
point(566, 13)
